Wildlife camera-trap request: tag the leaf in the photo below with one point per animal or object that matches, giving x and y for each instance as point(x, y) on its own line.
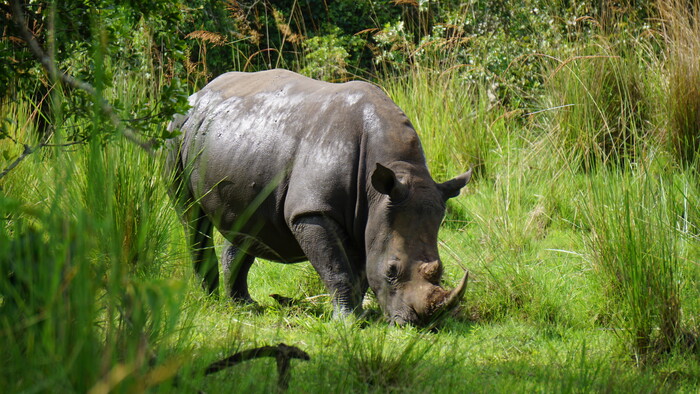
point(167, 134)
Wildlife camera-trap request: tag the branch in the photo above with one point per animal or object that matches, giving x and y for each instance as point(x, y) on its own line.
point(66, 79)
point(81, 141)
point(28, 150)
point(282, 353)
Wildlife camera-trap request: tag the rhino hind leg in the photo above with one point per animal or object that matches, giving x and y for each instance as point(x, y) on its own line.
point(198, 227)
point(235, 264)
point(203, 253)
point(337, 262)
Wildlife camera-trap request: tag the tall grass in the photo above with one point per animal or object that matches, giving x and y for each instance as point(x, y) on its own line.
point(73, 313)
point(458, 126)
point(85, 230)
point(638, 250)
point(454, 120)
point(385, 360)
point(598, 105)
point(682, 35)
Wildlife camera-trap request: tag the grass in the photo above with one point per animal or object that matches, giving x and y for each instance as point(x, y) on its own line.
point(683, 41)
point(636, 246)
point(600, 103)
point(580, 231)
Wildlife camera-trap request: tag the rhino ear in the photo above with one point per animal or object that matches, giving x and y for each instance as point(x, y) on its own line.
point(385, 182)
point(452, 187)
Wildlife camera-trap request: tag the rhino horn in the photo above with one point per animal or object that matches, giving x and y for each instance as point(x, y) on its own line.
point(455, 296)
point(431, 271)
point(441, 301)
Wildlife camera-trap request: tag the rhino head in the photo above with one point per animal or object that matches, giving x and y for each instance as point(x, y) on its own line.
point(403, 265)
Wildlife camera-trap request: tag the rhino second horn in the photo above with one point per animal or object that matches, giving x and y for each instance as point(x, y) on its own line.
point(431, 271)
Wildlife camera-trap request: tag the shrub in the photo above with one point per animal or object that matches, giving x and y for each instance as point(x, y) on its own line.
point(325, 58)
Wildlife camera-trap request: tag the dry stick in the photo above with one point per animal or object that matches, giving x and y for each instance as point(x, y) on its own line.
point(282, 353)
point(56, 74)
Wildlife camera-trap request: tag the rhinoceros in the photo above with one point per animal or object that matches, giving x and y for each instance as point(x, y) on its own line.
point(290, 169)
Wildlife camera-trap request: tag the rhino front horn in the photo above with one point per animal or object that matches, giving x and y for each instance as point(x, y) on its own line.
point(457, 293)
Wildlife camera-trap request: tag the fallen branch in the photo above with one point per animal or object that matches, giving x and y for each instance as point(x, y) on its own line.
point(288, 301)
point(282, 353)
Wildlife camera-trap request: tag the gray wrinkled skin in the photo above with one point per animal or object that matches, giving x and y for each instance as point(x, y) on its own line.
point(290, 169)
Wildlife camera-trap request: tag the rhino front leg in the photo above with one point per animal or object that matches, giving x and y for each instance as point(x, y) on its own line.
point(235, 264)
point(337, 262)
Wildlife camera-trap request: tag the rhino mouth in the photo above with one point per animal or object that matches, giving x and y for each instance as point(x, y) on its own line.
point(406, 315)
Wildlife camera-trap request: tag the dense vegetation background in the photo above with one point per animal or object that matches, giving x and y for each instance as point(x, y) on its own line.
point(581, 227)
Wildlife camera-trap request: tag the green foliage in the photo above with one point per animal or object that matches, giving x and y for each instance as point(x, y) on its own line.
point(73, 31)
point(83, 240)
point(91, 41)
point(325, 58)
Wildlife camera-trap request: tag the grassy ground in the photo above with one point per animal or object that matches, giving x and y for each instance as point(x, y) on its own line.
point(580, 229)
